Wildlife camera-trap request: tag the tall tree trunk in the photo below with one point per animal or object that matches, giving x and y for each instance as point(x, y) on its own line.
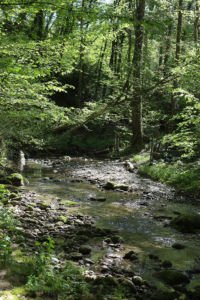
point(179, 30)
point(38, 26)
point(136, 101)
point(160, 62)
point(120, 49)
point(177, 58)
point(81, 55)
point(100, 64)
point(196, 23)
point(168, 47)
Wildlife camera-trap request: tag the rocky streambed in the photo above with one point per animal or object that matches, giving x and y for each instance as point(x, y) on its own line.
point(112, 222)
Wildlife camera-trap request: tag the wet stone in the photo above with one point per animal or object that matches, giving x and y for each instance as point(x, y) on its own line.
point(178, 246)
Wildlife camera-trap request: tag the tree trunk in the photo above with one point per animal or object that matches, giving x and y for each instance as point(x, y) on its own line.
point(120, 49)
point(168, 47)
point(179, 30)
point(100, 64)
point(81, 55)
point(177, 58)
point(136, 101)
point(196, 22)
point(38, 26)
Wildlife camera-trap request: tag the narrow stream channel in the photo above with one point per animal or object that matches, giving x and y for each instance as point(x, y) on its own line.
point(141, 217)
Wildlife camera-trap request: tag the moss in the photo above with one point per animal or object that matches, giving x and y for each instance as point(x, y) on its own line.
point(69, 202)
point(14, 294)
point(16, 179)
point(62, 219)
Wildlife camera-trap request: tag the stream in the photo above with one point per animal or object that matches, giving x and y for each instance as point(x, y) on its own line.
point(141, 216)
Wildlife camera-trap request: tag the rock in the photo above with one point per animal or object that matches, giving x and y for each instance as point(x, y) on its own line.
point(131, 255)
point(116, 239)
point(110, 185)
point(152, 256)
point(100, 199)
point(85, 249)
point(178, 246)
point(129, 166)
point(123, 187)
point(186, 222)
point(44, 205)
point(127, 284)
point(67, 158)
point(137, 280)
point(16, 179)
point(166, 264)
point(108, 281)
point(76, 256)
point(113, 186)
point(172, 277)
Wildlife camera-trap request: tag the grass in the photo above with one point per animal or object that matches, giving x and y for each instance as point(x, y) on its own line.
point(185, 177)
point(141, 158)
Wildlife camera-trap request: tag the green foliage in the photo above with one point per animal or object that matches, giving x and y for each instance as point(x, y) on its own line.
point(48, 278)
point(7, 227)
point(67, 281)
point(43, 255)
point(183, 176)
point(143, 158)
point(186, 138)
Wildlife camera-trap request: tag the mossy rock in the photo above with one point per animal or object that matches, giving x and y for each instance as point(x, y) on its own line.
point(62, 219)
point(137, 280)
point(110, 185)
point(108, 281)
point(127, 284)
point(85, 249)
point(116, 239)
point(186, 223)
point(123, 187)
point(113, 186)
point(76, 256)
point(166, 264)
point(172, 277)
point(131, 255)
point(16, 179)
point(44, 205)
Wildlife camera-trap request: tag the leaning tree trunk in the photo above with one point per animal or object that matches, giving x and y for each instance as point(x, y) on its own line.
point(177, 59)
point(136, 101)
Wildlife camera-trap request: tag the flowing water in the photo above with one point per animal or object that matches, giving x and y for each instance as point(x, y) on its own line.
point(141, 217)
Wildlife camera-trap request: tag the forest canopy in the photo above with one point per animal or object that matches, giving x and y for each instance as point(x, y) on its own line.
point(129, 69)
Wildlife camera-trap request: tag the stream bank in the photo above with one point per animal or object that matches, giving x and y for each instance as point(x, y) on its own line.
point(131, 239)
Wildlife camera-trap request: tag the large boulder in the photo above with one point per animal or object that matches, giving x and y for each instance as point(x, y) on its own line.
point(16, 179)
point(186, 223)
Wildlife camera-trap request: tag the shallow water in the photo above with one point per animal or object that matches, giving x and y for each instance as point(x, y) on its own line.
point(141, 216)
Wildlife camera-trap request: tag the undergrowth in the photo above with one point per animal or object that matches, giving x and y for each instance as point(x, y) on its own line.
point(182, 176)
